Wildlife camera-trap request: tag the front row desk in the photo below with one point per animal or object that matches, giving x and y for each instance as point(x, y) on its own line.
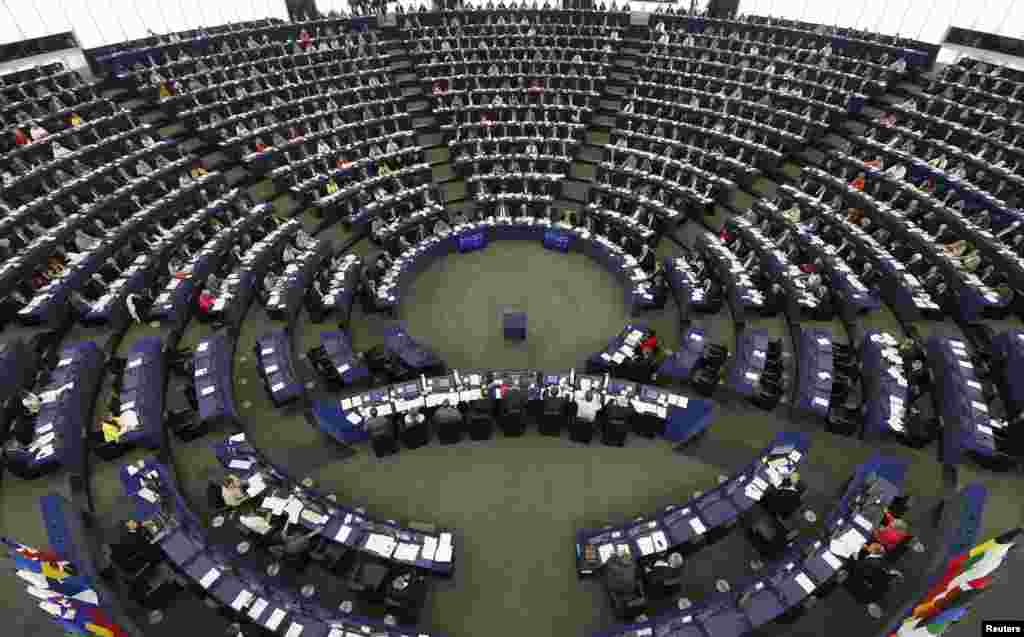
point(560, 237)
point(253, 598)
point(960, 403)
point(64, 415)
point(510, 398)
point(807, 567)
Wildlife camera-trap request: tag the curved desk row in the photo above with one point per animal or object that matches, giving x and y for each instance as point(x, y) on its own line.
point(286, 298)
point(274, 363)
point(345, 277)
point(621, 355)
point(243, 594)
point(681, 365)
point(142, 393)
point(1008, 346)
point(814, 362)
point(50, 302)
point(231, 305)
point(349, 526)
point(147, 269)
point(675, 417)
point(213, 380)
point(64, 415)
point(598, 247)
point(348, 367)
point(801, 302)
point(904, 293)
point(850, 291)
point(689, 523)
point(743, 294)
point(886, 391)
point(749, 363)
point(806, 569)
point(175, 303)
point(960, 402)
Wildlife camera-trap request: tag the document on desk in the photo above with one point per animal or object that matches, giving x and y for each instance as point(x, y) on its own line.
point(646, 545)
point(354, 418)
point(257, 608)
point(407, 552)
point(805, 583)
point(832, 560)
point(429, 548)
point(210, 577)
point(346, 404)
point(660, 541)
point(383, 545)
point(294, 630)
point(697, 526)
point(275, 619)
point(343, 533)
point(848, 544)
point(243, 598)
point(752, 492)
point(293, 508)
point(256, 485)
point(147, 495)
point(244, 465)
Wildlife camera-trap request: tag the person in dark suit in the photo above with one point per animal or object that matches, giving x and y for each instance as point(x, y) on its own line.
point(448, 423)
point(873, 574)
point(134, 549)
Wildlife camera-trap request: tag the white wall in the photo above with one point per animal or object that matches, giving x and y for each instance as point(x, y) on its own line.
point(100, 22)
point(926, 20)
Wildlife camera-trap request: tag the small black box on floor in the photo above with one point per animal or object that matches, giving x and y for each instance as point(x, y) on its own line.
point(513, 323)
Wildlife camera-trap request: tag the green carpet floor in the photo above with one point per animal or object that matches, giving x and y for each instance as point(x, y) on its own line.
point(515, 503)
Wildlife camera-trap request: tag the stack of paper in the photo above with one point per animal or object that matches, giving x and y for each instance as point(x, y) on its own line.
point(444, 548)
point(383, 545)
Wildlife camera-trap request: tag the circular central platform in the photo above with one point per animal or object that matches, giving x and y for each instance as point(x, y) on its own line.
point(573, 305)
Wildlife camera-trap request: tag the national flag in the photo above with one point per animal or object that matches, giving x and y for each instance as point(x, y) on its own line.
point(970, 571)
point(937, 625)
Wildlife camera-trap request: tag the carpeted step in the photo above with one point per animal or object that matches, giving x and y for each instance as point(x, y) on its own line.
point(418, 106)
point(437, 155)
point(576, 190)
point(407, 78)
point(591, 153)
point(441, 173)
point(584, 171)
point(411, 90)
point(430, 139)
point(453, 190)
point(604, 120)
point(424, 122)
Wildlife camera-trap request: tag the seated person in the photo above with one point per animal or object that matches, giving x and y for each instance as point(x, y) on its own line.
point(892, 533)
point(295, 545)
point(620, 573)
point(134, 549)
point(232, 491)
point(873, 574)
point(786, 498)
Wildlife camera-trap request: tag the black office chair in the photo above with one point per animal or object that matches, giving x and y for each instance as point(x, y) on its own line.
point(625, 588)
point(615, 425)
point(449, 431)
point(368, 578)
point(705, 380)
point(512, 413)
point(582, 430)
point(382, 437)
point(663, 580)
point(554, 414)
point(413, 434)
point(479, 419)
point(843, 421)
point(405, 594)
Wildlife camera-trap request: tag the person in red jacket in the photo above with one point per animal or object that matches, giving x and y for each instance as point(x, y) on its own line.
point(892, 533)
